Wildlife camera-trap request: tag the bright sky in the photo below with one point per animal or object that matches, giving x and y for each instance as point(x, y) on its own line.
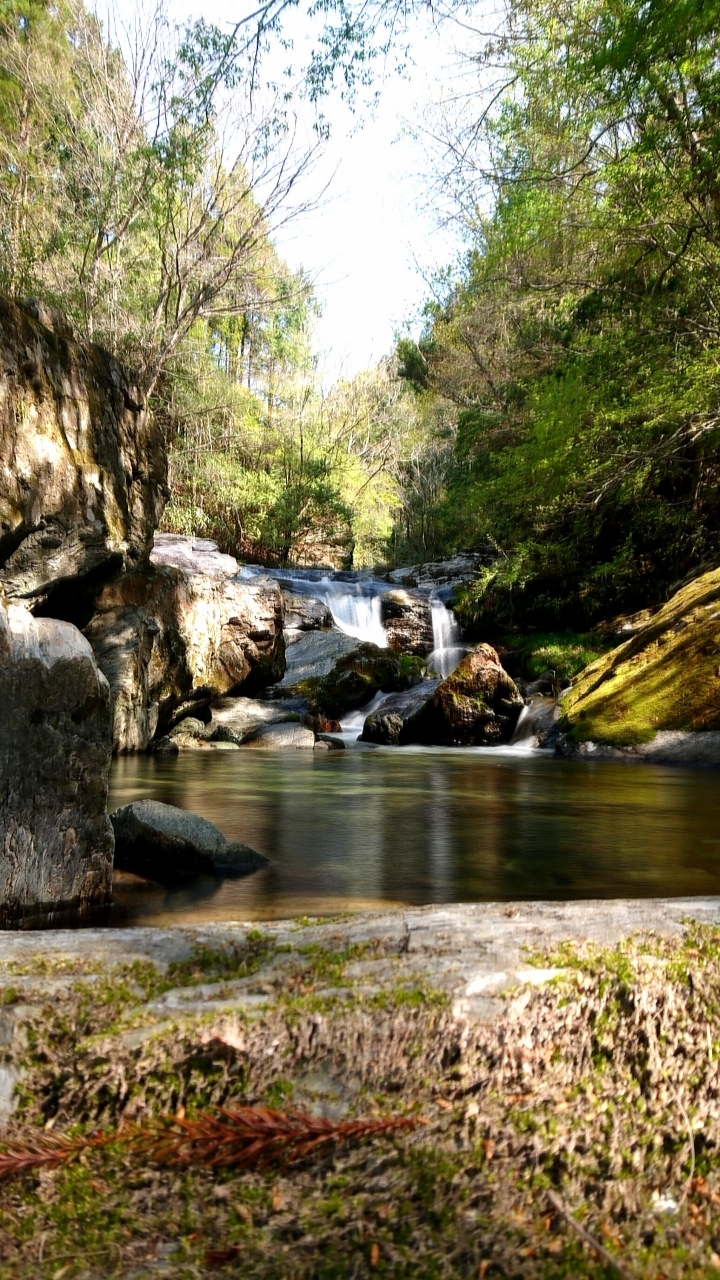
point(371, 241)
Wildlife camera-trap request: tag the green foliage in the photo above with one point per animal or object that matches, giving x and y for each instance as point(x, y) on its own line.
point(578, 347)
point(565, 653)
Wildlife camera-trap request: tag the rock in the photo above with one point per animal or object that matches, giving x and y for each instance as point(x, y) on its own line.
point(478, 705)
point(330, 743)
point(83, 465)
point(444, 578)
point(407, 619)
point(357, 676)
point(665, 679)
point(56, 843)
point(314, 655)
point(190, 728)
point(287, 736)
point(539, 724)
point(302, 614)
point(385, 727)
point(165, 747)
point(667, 747)
point(170, 637)
point(194, 555)
point(235, 719)
point(167, 844)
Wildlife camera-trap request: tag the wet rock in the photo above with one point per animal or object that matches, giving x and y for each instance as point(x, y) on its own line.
point(190, 728)
point(358, 676)
point(171, 845)
point(385, 727)
point(478, 705)
point(287, 736)
point(314, 655)
point(83, 465)
point(330, 742)
point(539, 723)
point(182, 631)
point(55, 840)
point(165, 746)
point(407, 619)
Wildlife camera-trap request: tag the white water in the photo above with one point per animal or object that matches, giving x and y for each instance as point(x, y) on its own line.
point(356, 614)
point(447, 652)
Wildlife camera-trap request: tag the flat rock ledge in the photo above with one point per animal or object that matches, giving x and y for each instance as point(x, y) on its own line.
point(473, 952)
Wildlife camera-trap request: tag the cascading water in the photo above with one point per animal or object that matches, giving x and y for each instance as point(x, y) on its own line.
point(447, 651)
point(355, 611)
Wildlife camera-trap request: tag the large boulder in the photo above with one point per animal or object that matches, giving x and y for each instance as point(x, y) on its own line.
point(167, 844)
point(182, 631)
point(386, 725)
point(661, 687)
point(56, 844)
point(302, 614)
point(313, 656)
point(83, 466)
point(407, 619)
point(478, 705)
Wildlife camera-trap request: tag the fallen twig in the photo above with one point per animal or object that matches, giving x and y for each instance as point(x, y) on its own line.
point(560, 1207)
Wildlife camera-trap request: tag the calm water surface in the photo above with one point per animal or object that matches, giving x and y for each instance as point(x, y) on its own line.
point(371, 827)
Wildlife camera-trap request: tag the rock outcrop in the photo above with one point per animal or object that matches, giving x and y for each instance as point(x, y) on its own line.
point(357, 676)
point(478, 705)
point(83, 467)
point(56, 843)
point(182, 631)
point(170, 845)
point(302, 614)
point(664, 680)
point(287, 736)
point(407, 619)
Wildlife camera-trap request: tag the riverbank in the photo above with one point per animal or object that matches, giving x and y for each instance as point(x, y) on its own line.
point(562, 1055)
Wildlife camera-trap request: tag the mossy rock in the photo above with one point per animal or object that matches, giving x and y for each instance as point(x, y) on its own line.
point(478, 705)
point(666, 677)
point(358, 676)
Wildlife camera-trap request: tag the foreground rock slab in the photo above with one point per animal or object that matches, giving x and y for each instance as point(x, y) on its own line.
point(56, 842)
point(167, 844)
point(523, 1047)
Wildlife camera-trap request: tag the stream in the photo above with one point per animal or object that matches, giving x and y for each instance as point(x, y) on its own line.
point(369, 827)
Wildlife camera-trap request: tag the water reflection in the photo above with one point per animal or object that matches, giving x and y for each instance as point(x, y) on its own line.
point(370, 827)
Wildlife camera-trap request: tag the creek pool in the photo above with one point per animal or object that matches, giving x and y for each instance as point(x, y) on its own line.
point(374, 827)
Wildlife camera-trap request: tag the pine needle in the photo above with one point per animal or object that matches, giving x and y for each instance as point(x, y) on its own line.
point(244, 1138)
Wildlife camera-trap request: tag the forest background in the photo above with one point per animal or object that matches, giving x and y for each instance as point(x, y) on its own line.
point(560, 408)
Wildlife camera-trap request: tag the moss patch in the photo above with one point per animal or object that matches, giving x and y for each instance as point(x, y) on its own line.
point(600, 1088)
point(665, 677)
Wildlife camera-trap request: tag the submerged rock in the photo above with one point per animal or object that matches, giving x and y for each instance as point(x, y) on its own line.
point(478, 705)
point(235, 719)
point(407, 619)
point(83, 466)
point(56, 842)
point(167, 844)
point(664, 680)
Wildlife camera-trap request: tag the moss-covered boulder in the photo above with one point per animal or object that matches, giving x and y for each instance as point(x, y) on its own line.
point(358, 676)
point(477, 706)
point(665, 678)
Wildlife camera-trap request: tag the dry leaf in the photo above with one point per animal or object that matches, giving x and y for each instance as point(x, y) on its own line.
point(489, 1148)
point(374, 1254)
point(219, 1257)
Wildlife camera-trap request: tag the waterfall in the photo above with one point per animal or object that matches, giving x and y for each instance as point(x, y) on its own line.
point(355, 611)
point(447, 651)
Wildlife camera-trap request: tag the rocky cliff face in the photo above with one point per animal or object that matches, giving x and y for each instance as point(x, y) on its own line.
point(83, 469)
point(56, 842)
point(181, 631)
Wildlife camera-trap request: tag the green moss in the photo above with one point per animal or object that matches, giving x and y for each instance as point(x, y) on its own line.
point(564, 652)
point(665, 677)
